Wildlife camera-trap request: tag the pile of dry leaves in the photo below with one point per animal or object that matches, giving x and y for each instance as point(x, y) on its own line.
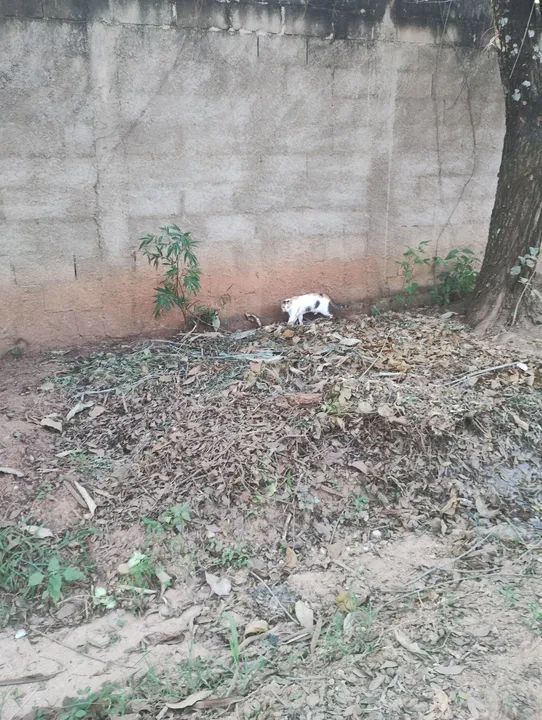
point(413, 404)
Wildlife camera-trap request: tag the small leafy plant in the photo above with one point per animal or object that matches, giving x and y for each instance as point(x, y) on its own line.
point(456, 279)
point(234, 557)
point(109, 700)
point(174, 250)
point(174, 518)
point(54, 578)
point(102, 600)
point(360, 503)
point(38, 566)
point(412, 257)
point(525, 271)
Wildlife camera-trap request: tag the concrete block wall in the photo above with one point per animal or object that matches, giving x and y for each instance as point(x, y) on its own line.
point(305, 148)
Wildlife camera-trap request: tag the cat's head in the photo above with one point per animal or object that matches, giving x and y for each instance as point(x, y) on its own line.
point(286, 305)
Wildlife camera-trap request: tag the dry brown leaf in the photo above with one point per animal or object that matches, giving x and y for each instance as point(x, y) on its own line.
point(441, 701)
point(256, 627)
point(519, 422)
point(303, 399)
point(78, 408)
point(212, 703)
point(11, 471)
point(51, 422)
point(365, 408)
point(160, 638)
point(164, 580)
point(450, 507)
point(408, 644)
point(349, 342)
point(483, 510)
point(96, 411)
point(448, 669)
point(190, 701)
point(385, 411)
point(86, 497)
point(345, 602)
point(316, 634)
point(37, 531)
point(219, 586)
point(360, 465)
point(291, 558)
point(304, 615)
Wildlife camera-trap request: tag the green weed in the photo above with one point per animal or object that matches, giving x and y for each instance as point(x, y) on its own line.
point(457, 276)
point(174, 518)
point(174, 251)
point(509, 595)
point(412, 258)
point(101, 599)
point(109, 700)
point(32, 566)
point(535, 610)
point(360, 503)
point(142, 571)
point(236, 556)
point(455, 279)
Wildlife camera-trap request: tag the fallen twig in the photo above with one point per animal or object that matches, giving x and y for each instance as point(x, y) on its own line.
point(28, 679)
point(484, 371)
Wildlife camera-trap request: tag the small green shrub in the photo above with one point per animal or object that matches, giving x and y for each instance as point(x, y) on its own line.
point(174, 250)
point(174, 518)
point(109, 700)
point(412, 257)
point(456, 278)
point(33, 566)
point(225, 556)
point(52, 580)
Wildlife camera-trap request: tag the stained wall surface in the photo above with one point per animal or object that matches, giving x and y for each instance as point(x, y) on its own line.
point(304, 148)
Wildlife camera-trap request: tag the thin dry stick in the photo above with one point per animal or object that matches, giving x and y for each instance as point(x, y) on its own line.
point(29, 679)
point(484, 371)
point(377, 358)
point(476, 546)
point(80, 652)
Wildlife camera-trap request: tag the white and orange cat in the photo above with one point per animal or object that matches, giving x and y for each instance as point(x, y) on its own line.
point(315, 303)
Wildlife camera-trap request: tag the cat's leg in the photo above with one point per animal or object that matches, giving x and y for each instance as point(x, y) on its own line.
point(292, 317)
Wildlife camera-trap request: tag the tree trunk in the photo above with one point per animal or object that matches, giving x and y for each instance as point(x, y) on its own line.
point(516, 221)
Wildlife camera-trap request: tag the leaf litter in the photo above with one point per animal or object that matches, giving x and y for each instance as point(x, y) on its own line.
point(352, 434)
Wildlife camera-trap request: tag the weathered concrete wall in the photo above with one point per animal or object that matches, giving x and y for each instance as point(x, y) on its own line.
point(304, 147)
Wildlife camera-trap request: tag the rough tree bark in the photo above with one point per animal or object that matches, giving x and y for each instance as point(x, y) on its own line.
point(516, 221)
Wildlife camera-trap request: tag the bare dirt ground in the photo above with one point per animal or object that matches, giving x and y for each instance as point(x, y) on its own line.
point(337, 521)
